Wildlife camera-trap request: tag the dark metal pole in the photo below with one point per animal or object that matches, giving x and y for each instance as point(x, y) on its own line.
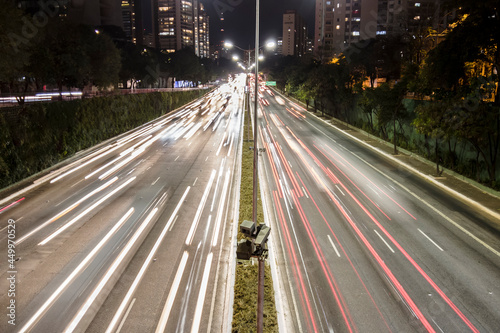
point(260, 292)
point(256, 103)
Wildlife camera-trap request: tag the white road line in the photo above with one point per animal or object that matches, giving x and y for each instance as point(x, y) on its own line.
point(157, 179)
point(162, 323)
point(222, 203)
point(430, 179)
point(54, 218)
point(196, 219)
point(125, 316)
point(195, 181)
point(173, 223)
point(305, 192)
point(109, 273)
point(144, 267)
point(176, 158)
point(85, 212)
point(201, 295)
point(82, 265)
point(334, 247)
point(433, 242)
point(338, 188)
point(383, 240)
point(230, 145)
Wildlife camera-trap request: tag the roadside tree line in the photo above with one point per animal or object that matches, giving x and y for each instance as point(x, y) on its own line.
point(56, 53)
point(439, 100)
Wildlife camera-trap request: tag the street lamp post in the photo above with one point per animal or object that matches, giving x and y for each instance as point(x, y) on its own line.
point(262, 254)
point(260, 288)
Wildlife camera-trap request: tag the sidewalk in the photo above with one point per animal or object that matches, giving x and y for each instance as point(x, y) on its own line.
point(485, 201)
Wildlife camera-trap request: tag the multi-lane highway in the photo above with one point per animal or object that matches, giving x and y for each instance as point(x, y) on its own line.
point(134, 235)
point(360, 244)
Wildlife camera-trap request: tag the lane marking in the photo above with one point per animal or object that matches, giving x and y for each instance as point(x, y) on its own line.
point(64, 212)
point(220, 210)
point(415, 171)
point(126, 315)
point(338, 188)
point(433, 242)
point(197, 216)
point(383, 240)
point(77, 270)
point(144, 267)
point(85, 212)
point(162, 323)
point(334, 247)
point(155, 181)
point(109, 273)
point(201, 296)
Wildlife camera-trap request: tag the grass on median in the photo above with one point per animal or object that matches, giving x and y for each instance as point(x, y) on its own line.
point(245, 287)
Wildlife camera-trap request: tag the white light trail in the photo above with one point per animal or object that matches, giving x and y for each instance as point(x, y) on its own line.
point(201, 295)
point(70, 278)
point(171, 295)
point(196, 219)
point(220, 211)
point(64, 212)
point(138, 278)
point(85, 212)
point(84, 164)
point(116, 263)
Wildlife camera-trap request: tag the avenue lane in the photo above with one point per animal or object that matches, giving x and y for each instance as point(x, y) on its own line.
point(363, 245)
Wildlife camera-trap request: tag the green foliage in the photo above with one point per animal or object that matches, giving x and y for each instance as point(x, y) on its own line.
point(40, 135)
point(245, 300)
point(246, 276)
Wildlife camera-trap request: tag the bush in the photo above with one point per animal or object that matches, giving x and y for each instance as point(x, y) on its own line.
point(37, 136)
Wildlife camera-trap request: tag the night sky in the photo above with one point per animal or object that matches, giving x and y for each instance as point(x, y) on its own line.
point(239, 19)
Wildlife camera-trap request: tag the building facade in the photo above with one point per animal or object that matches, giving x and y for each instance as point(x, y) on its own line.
point(294, 34)
point(179, 24)
point(340, 23)
point(132, 21)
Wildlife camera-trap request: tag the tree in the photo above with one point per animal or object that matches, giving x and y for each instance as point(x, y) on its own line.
point(14, 50)
point(389, 102)
point(105, 60)
point(433, 120)
point(61, 57)
point(185, 65)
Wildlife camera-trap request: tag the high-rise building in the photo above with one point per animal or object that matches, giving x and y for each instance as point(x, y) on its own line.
point(294, 34)
point(132, 21)
point(340, 23)
point(179, 24)
point(279, 45)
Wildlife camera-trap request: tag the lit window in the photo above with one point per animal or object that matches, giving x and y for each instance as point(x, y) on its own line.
point(416, 18)
point(337, 27)
point(417, 4)
point(381, 33)
point(355, 33)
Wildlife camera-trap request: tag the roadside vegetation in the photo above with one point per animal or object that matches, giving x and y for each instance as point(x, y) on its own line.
point(245, 287)
point(47, 51)
point(435, 93)
point(37, 136)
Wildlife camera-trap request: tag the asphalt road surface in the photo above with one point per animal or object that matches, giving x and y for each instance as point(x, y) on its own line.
point(362, 245)
point(134, 235)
